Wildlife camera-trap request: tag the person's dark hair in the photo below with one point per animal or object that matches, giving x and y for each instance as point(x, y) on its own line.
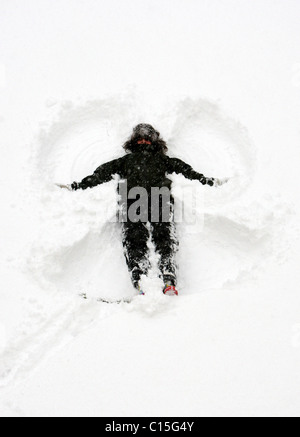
point(147, 132)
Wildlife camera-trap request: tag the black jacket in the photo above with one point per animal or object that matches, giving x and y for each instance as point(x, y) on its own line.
point(143, 168)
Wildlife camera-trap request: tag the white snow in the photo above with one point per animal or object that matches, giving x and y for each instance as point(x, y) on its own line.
point(220, 82)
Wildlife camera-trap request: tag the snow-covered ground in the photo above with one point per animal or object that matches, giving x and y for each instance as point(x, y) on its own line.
point(221, 81)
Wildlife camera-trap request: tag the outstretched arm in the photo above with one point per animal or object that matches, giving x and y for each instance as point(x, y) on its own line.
point(103, 174)
point(177, 166)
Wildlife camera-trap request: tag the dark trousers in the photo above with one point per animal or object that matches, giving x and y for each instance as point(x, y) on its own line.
point(135, 241)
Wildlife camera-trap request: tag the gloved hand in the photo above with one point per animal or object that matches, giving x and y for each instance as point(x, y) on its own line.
point(220, 182)
point(66, 187)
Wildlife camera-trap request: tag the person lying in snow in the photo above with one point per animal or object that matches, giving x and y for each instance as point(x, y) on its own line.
point(145, 167)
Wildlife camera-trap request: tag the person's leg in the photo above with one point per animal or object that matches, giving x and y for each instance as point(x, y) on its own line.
point(166, 244)
point(135, 242)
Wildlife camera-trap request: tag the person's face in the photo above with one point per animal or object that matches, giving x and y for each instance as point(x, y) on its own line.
point(143, 141)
